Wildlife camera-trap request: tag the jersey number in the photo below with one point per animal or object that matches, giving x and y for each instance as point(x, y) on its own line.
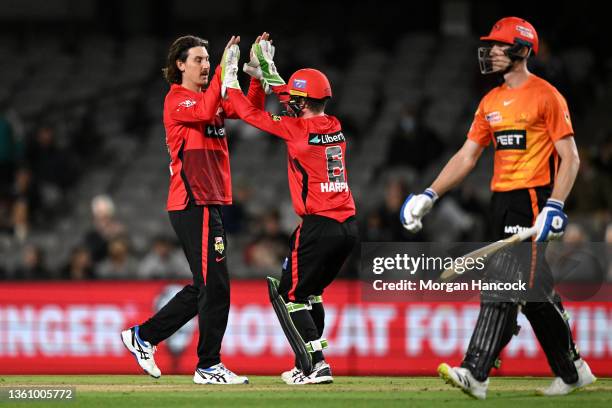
point(335, 167)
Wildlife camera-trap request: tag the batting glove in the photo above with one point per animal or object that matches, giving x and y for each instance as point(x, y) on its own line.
point(551, 221)
point(414, 209)
point(229, 69)
point(264, 51)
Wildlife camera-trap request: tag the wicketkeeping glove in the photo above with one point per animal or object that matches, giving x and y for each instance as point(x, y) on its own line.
point(254, 69)
point(551, 221)
point(414, 209)
point(229, 69)
point(264, 51)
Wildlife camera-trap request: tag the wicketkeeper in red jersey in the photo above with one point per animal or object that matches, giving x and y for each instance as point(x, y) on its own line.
point(320, 193)
point(200, 183)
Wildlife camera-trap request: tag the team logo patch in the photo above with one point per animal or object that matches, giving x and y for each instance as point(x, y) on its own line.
point(219, 245)
point(276, 118)
point(522, 118)
point(513, 139)
point(299, 83)
point(319, 139)
point(493, 117)
point(567, 118)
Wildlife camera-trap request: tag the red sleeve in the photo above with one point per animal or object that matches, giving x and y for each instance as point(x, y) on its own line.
point(281, 92)
point(277, 125)
point(480, 131)
point(256, 96)
point(199, 109)
point(557, 117)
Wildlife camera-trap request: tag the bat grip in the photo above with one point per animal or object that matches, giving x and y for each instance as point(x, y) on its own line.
point(528, 233)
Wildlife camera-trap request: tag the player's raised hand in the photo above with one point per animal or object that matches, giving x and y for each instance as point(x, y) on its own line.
point(414, 209)
point(264, 51)
point(252, 67)
point(229, 66)
point(234, 40)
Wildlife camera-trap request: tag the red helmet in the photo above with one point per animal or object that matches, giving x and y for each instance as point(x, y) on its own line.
point(309, 83)
point(514, 30)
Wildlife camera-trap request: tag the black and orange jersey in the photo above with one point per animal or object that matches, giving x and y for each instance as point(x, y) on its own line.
point(523, 123)
point(316, 150)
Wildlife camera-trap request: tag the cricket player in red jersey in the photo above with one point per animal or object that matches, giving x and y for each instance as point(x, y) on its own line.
point(318, 182)
point(536, 161)
point(200, 183)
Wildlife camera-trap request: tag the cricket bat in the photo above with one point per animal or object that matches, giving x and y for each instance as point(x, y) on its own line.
point(450, 274)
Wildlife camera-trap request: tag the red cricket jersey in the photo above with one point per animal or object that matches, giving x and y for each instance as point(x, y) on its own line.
point(197, 144)
point(316, 149)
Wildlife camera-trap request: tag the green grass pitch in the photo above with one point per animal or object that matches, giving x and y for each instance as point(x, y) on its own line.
point(139, 391)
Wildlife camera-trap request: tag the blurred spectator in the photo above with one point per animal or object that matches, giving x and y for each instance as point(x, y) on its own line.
point(383, 224)
point(31, 265)
point(6, 214)
point(80, 266)
point(120, 264)
point(413, 144)
point(235, 216)
point(21, 221)
point(49, 162)
point(26, 189)
point(164, 261)
point(592, 191)
point(9, 153)
point(577, 261)
point(602, 160)
point(550, 67)
point(270, 246)
point(105, 227)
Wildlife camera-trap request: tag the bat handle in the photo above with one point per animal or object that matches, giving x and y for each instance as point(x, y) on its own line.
point(528, 233)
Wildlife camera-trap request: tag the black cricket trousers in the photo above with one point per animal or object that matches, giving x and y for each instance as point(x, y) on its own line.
point(202, 236)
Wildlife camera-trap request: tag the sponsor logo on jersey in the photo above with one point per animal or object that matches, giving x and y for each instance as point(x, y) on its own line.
point(299, 83)
point(187, 103)
point(514, 229)
point(214, 131)
point(493, 117)
point(332, 187)
point(513, 139)
point(326, 138)
point(219, 245)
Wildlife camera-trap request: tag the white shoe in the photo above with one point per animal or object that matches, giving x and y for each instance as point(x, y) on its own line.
point(462, 378)
point(288, 375)
point(559, 387)
point(218, 374)
point(321, 374)
point(142, 350)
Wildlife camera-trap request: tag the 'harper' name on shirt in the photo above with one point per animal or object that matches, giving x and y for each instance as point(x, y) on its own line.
point(334, 187)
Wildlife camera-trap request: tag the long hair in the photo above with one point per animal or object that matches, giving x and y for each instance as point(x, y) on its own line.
point(178, 51)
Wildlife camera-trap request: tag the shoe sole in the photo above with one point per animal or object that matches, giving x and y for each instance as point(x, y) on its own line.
point(127, 346)
point(443, 371)
point(216, 383)
point(321, 380)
